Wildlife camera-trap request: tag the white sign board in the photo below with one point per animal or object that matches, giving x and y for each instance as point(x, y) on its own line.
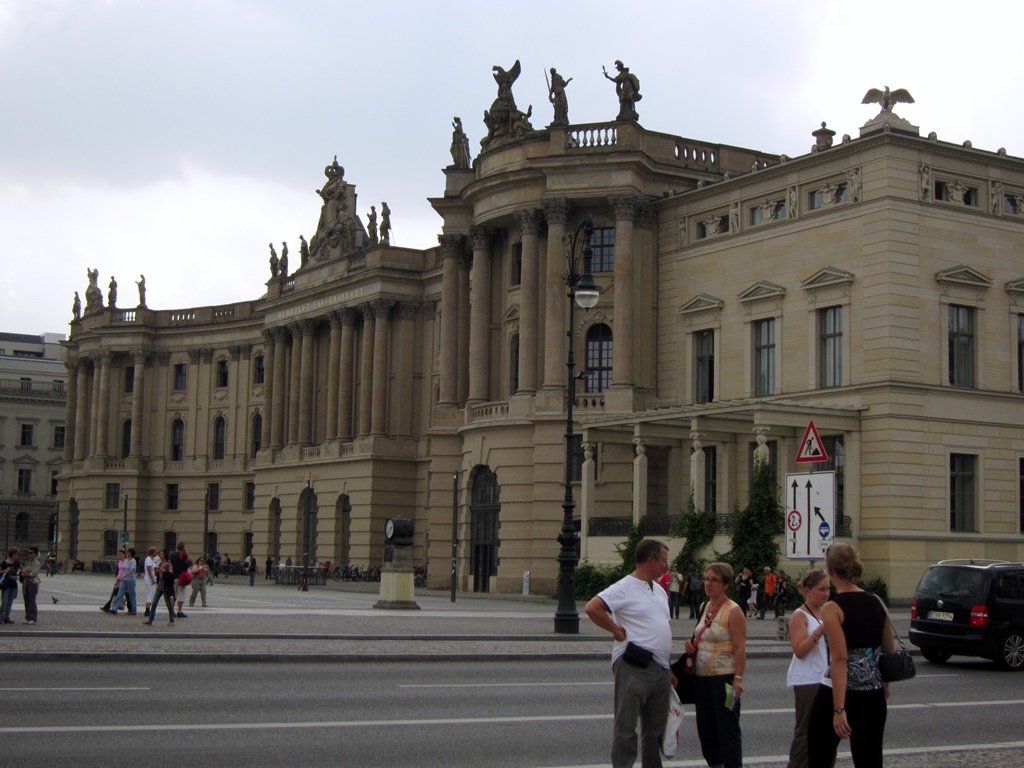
point(810, 514)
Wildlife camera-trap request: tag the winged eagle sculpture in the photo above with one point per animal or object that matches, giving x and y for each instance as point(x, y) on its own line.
point(887, 98)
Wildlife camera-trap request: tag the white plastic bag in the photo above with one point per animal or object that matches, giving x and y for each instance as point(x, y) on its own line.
point(670, 741)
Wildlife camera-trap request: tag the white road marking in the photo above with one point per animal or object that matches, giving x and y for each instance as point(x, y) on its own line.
point(75, 690)
point(496, 685)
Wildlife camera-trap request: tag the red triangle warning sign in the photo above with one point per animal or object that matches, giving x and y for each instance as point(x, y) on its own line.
point(811, 448)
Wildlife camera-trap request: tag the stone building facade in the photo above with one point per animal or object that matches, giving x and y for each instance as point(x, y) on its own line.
point(871, 285)
point(32, 436)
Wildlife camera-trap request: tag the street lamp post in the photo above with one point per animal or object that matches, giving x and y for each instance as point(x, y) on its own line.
point(583, 291)
point(206, 524)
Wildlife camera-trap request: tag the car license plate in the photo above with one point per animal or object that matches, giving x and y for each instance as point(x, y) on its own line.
point(940, 615)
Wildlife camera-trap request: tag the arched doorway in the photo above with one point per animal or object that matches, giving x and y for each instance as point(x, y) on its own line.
point(483, 515)
point(308, 520)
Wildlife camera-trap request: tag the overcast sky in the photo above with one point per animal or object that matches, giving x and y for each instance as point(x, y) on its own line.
point(177, 138)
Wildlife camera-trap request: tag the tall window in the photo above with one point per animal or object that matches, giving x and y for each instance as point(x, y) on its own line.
point(213, 496)
point(257, 434)
point(705, 367)
point(24, 481)
point(219, 432)
point(172, 496)
point(599, 358)
point(603, 244)
point(1020, 353)
point(177, 440)
point(764, 357)
point(513, 363)
point(250, 495)
point(110, 543)
point(58, 436)
point(21, 527)
point(129, 379)
point(180, 377)
point(711, 479)
point(211, 542)
point(112, 496)
point(126, 438)
point(962, 472)
point(222, 373)
point(961, 346)
point(830, 352)
point(170, 541)
point(258, 369)
point(53, 484)
point(516, 265)
point(833, 446)
point(26, 436)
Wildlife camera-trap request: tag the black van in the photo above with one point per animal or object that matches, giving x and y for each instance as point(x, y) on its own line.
point(970, 608)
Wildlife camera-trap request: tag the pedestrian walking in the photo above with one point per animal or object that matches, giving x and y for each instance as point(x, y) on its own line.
point(30, 585)
point(180, 563)
point(694, 584)
point(253, 570)
point(200, 577)
point(269, 568)
point(165, 587)
point(769, 596)
point(125, 582)
point(675, 596)
point(149, 577)
point(635, 611)
point(9, 568)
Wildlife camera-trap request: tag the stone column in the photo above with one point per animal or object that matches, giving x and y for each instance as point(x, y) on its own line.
point(405, 354)
point(103, 420)
point(346, 372)
point(529, 226)
point(463, 382)
point(333, 353)
point(639, 479)
point(70, 411)
point(277, 409)
point(294, 383)
point(268, 387)
point(451, 249)
point(480, 317)
point(382, 334)
point(82, 433)
point(626, 210)
point(139, 361)
point(557, 213)
point(366, 373)
point(308, 330)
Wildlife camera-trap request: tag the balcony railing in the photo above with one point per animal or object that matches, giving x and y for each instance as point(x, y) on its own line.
point(51, 390)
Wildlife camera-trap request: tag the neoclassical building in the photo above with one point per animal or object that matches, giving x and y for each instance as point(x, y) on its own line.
point(874, 285)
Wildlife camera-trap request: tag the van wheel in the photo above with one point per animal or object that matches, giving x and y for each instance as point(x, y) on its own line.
point(1011, 651)
point(936, 657)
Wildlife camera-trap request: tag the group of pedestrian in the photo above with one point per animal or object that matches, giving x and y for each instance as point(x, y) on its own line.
point(838, 691)
point(772, 591)
point(13, 571)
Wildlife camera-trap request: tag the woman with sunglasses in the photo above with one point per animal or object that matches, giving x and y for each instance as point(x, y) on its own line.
point(810, 658)
point(721, 645)
point(851, 702)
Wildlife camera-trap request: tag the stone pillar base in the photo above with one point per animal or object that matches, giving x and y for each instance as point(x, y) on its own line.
point(398, 583)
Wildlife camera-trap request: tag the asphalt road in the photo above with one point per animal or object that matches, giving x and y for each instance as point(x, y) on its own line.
point(533, 713)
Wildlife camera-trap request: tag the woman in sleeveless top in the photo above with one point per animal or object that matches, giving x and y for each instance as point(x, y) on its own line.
point(810, 658)
point(851, 702)
point(721, 646)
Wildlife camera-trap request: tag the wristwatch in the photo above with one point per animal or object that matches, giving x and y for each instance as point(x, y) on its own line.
point(839, 710)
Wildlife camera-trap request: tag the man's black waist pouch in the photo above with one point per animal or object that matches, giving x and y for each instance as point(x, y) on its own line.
point(637, 655)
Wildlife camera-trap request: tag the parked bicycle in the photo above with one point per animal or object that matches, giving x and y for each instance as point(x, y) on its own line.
point(56, 567)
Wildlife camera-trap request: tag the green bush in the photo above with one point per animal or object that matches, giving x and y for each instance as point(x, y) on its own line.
point(592, 578)
point(698, 529)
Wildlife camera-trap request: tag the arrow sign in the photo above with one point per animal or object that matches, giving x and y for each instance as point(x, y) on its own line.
point(811, 448)
point(810, 514)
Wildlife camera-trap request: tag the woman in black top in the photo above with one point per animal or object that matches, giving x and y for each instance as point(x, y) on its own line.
point(165, 583)
point(745, 581)
point(851, 702)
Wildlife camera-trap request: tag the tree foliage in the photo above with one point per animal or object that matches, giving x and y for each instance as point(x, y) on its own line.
point(627, 549)
point(756, 529)
point(698, 529)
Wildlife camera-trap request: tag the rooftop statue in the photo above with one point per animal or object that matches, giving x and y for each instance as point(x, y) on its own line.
point(112, 292)
point(459, 149)
point(371, 224)
point(556, 95)
point(93, 294)
point(284, 260)
point(339, 230)
point(303, 251)
point(274, 263)
point(141, 282)
point(503, 119)
point(627, 88)
point(76, 308)
point(385, 224)
point(887, 98)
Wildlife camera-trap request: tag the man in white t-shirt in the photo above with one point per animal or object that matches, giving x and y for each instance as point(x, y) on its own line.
point(635, 611)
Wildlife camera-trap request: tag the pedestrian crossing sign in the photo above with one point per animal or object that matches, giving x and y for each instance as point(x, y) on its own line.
point(811, 448)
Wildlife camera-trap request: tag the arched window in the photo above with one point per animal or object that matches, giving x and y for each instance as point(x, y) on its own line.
point(599, 358)
point(126, 438)
point(177, 440)
point(257, 434)
point(218, 438)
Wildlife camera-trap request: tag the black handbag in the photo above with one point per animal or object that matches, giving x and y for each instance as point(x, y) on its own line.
point(686, 682)
point(898, 665)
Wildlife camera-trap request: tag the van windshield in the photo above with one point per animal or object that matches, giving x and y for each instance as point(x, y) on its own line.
point(954, 582)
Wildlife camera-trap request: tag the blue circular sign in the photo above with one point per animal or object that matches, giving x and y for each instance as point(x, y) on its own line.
point(824, 530)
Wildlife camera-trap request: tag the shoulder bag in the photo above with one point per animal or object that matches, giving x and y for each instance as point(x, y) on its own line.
point(898, 665)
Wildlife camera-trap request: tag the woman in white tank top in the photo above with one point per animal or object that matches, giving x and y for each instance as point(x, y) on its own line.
point(810, 658)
